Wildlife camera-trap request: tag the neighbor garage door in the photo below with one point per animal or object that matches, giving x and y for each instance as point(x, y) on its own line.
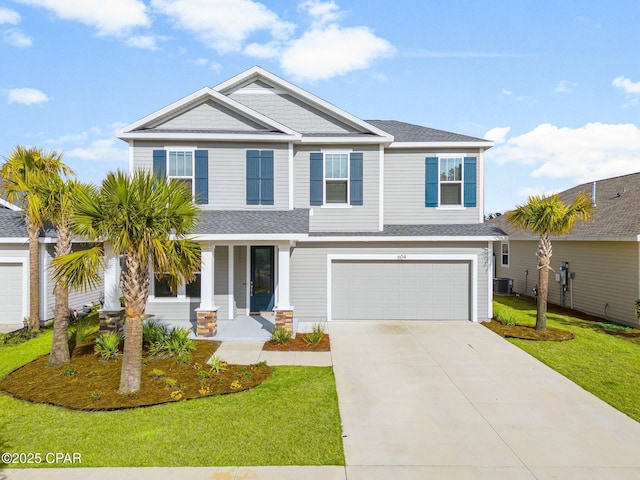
point(11, 293)
point(400, 290)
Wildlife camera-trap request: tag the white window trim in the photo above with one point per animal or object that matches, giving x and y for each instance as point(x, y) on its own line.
point(324, 179)
point(192, 150)
point(505, 265)
point(460, 206)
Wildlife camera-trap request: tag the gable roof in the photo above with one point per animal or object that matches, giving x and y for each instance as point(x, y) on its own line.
point(408, 132)
point(615, 217)
point(12, 224)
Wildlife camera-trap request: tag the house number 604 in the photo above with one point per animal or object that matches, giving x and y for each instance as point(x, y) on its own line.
point(402, 256)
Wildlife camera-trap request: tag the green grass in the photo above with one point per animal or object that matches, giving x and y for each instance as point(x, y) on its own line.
point(606, 366)
point(291, 419)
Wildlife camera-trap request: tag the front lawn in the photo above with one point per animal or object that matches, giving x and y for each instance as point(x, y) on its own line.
point(291, 419)
point(607, 366)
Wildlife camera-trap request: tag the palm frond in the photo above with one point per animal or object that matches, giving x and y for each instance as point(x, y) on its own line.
point(79, 270)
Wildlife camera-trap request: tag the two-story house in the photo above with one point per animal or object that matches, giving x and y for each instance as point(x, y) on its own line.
point(309, 211)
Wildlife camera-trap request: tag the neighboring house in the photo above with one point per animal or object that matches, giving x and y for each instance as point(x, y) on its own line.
point(14, 271)
point(307, 210)
point(601, 257)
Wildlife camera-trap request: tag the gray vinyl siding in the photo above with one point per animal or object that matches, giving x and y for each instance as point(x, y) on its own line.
point(293, 113)
point(240, 278)
point(404, 191)
point(605, 273)
point(210, 115)
point(339, 219)
point(221, 281)
point(77, 298)
point(174, 310)
point(227, 172)
point(309, 271)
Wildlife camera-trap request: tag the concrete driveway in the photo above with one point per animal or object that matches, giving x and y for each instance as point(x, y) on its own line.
point(454, 400)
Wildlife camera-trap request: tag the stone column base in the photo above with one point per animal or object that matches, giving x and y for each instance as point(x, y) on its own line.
point(111, 320)
point(207, 321)
point(284, 319)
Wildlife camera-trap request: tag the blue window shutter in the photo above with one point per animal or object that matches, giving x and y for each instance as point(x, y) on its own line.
point(470, 181)
point(356, 168)
point(317, 178)
point(266, 177)
point(253, 177)
point(431, 182)
point(202, 176)
point(160, 164)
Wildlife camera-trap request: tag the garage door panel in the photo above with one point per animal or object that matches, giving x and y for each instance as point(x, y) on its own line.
point(11, 293)
point(405, 290)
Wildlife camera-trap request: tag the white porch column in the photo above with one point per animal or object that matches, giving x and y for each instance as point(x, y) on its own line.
point(284, 252)
point(207, 314)
point(111, 279)
point(206, 277)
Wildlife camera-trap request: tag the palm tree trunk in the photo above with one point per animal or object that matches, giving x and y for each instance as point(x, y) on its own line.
point(60, 346)
point(544, 259)
point(135, 290)
point(34, 277)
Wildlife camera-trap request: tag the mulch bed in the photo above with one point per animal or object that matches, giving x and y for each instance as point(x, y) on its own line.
point(528, 332)
point(299, 344)
point(87, 383)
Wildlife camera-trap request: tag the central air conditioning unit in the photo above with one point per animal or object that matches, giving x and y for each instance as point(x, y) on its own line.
point(502, 286)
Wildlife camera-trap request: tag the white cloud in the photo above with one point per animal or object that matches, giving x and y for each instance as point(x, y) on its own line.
point(224, 24)
point(115, 18)
point(101, 150)
point(565, 86)
point(147, 42)
point(265, 50)
point(527, 192)
point(595, 150)
point(320, 54)
point(26, 96)
point(506, 92)
point(626, 84)
point(497, 134)
point(381, 77)
point(17, 38)
point(321, 12)
point(9, 16)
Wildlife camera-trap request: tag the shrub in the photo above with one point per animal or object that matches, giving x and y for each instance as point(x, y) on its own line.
point(216, 364)
point(69, 372)
point(157, 373)
point(178, 343)
point(107, 345)
point(280, 336)
point(80, 331)
point(316, 335)
point(169, 343)
point(153, 333)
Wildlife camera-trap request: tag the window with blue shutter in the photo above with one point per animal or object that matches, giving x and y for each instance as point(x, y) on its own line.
point(317, 178)
point(259, 173)
point(190, 167)
point(470, 181)
point(160, 164)
point(431, 182)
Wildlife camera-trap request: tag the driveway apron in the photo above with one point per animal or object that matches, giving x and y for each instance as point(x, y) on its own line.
point(454, 400)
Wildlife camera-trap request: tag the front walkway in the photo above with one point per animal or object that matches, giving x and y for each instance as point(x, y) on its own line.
point(439, 400)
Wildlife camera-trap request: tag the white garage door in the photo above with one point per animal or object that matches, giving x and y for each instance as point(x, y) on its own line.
point(11, 293)
point(405, 290)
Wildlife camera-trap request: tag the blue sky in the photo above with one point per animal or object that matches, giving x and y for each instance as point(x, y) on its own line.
point(555, 83)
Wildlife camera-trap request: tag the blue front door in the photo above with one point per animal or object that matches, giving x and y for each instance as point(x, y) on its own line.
point(261, 279)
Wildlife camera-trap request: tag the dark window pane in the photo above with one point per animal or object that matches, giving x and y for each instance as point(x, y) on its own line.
point(193, 288)
point(336, 191)
point(450, 194)
point(161, 288)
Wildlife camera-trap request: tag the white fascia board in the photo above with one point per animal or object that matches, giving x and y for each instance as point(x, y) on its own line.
point(377, 238)
point(457, 145)
point(301, 94)
point(283, 138)
point(9, 205)
point(18, 240)
point(344, 140)
point(249, 237)
point(569, 238)
point(198, 96)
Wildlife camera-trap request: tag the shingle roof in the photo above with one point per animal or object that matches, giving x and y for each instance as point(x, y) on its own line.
point(408, 132)
point(219, 222)
point(12, 224)
point(617, 212)
point(437, 230)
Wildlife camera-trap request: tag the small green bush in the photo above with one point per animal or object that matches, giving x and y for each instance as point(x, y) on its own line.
point(280, 336)
point(153, 333)
point(69, 372)
point(168, 343)
point(316, 335)
point(107, 345)
point(80, 331)
point(157, 373)
point(217, 365)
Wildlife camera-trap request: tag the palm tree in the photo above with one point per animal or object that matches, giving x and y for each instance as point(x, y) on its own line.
point(20, 175)
point(145, 221)
point(58, 204)
point(547, 216)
